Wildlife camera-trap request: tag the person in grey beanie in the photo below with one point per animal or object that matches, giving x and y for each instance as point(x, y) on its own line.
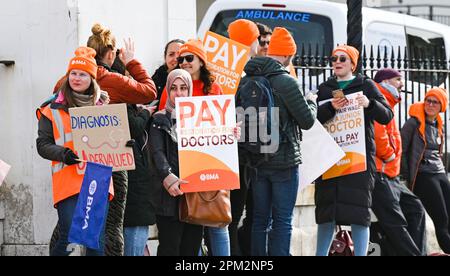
point(400, 213)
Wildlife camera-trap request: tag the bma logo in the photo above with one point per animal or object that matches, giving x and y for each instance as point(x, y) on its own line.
point(93, 187)
point(80, 62)
point(90, 200)
point(208, 177)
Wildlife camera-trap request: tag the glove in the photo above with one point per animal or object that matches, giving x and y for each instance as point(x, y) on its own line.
point(311, 97)
point(130, 143)
point(70, 158)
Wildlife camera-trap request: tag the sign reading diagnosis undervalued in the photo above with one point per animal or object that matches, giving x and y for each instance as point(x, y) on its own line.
point(100, 134)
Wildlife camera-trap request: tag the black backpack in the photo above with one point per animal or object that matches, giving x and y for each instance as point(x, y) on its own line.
point(255, 108)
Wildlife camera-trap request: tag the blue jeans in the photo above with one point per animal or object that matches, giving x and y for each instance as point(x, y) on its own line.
point(219, 241)
point(274, 196)
point(135, 239)
point(66, 209)
point(325, 235)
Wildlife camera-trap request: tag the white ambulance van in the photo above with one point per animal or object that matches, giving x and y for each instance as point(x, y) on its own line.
point(325, 23)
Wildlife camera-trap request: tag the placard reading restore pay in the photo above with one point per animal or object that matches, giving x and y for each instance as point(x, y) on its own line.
point(100, 134)
point(348, 130)
point(207, 147)
point(226, 60)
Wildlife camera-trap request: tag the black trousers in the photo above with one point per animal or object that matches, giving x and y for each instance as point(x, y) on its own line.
point(114, 243)
point(177, 238)
point(400, 215)
point(240, 239)
point(434, 192)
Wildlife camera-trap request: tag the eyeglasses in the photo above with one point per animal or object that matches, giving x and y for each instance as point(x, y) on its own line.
point(263, 43)
point(336, 58)
point(432, 102)
point(189, 58)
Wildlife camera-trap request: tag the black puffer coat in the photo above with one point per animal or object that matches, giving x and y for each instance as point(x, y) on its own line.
point(160, 79)
point(347, 199)
point(164, 151)
point(139, 210)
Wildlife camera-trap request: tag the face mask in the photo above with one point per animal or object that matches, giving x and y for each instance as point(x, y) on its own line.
point(394, 92)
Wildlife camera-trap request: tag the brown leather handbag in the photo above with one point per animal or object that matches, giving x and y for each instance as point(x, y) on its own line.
point(211, 209)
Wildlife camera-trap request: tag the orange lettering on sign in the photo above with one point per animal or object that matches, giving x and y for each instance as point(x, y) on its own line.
point(209, 112)
point(222, 110)
point(184, 115)
point(205, 115)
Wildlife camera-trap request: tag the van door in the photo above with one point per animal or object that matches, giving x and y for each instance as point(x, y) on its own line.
point(385, 36)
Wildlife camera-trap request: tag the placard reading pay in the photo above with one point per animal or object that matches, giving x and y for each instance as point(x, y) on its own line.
point(207, 148)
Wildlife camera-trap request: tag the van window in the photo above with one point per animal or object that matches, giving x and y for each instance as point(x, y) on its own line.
point(306, 28)
point(426, 45)
point(385, 36)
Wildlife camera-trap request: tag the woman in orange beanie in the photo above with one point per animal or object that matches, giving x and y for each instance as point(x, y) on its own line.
point(422, 166)
point(346, 199)
point(55, 142)
point(192, 58)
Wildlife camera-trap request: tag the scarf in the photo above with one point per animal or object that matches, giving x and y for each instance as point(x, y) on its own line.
point(82, 100)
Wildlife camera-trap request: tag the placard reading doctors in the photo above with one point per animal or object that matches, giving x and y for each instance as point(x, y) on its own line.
point(207, 148)
point(100, 134)
point(347, 129)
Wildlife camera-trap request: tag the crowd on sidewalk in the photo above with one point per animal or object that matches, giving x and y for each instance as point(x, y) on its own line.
point(100, 74)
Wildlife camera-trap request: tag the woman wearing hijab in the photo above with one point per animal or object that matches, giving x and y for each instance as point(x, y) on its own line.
point(176, 238)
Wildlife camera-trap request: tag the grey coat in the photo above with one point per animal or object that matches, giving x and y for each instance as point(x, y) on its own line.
point(414, 146)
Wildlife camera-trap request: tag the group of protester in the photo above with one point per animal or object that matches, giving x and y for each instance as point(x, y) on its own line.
point(101, 74)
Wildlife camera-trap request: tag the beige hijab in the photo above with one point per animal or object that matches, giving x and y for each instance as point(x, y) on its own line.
point(177, 74)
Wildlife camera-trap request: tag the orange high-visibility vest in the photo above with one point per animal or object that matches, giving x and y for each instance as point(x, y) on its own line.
point(66, 180)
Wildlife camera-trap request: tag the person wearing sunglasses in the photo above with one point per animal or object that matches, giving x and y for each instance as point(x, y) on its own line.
point(265, 33)
point(192, 58)
point(399, 212)
point(422, 166)
point(346, 200)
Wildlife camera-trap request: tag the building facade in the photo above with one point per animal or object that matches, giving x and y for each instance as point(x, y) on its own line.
point(41, 37)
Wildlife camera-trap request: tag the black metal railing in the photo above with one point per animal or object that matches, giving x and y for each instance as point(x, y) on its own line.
point(431, 12)
point(421, 71)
